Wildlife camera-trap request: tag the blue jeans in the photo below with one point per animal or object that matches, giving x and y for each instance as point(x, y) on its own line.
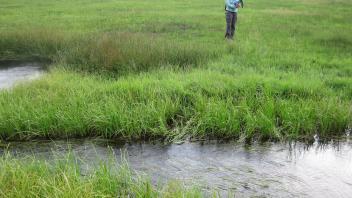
point(231, 19)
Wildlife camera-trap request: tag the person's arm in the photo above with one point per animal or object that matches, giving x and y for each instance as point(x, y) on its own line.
point(242, 4)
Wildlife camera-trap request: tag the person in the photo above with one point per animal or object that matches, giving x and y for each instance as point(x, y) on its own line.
point(231, 8)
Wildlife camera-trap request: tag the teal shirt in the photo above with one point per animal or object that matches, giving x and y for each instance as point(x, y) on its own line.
point(230, 5)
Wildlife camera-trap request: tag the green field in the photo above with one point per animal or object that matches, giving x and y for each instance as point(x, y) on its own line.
point(162, 69)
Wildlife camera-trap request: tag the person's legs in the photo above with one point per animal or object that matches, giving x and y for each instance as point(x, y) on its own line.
point(233, 24)
point(228, 15)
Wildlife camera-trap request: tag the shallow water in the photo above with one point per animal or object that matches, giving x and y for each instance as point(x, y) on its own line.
point(266, 170)
point(12, 73)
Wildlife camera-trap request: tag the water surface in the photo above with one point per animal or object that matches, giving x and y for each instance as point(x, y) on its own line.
point(264, 170)
point(14, 72)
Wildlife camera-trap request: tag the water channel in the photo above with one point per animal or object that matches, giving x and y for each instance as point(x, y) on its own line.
point(14, 72)
point(270, 169)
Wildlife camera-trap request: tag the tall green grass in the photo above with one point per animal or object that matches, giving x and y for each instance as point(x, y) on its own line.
point(167, 104)
point(170, 73)
point(64, 177)
point(116, 53)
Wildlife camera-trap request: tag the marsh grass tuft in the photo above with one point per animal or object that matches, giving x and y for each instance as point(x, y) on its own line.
point(165, 104)
point(117, 53)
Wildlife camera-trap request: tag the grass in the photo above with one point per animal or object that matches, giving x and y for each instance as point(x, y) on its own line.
point(161, 69)
point(64, 177)
point(168, 104)
point(105, 53)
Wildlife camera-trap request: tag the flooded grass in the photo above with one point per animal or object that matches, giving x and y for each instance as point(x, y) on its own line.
point(205, 168)
point(63, 177)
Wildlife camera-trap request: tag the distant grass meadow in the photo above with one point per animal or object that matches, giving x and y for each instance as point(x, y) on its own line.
point(162, 69)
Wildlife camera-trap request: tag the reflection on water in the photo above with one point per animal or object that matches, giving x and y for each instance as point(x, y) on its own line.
point(10, 73)
point(270, 170)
